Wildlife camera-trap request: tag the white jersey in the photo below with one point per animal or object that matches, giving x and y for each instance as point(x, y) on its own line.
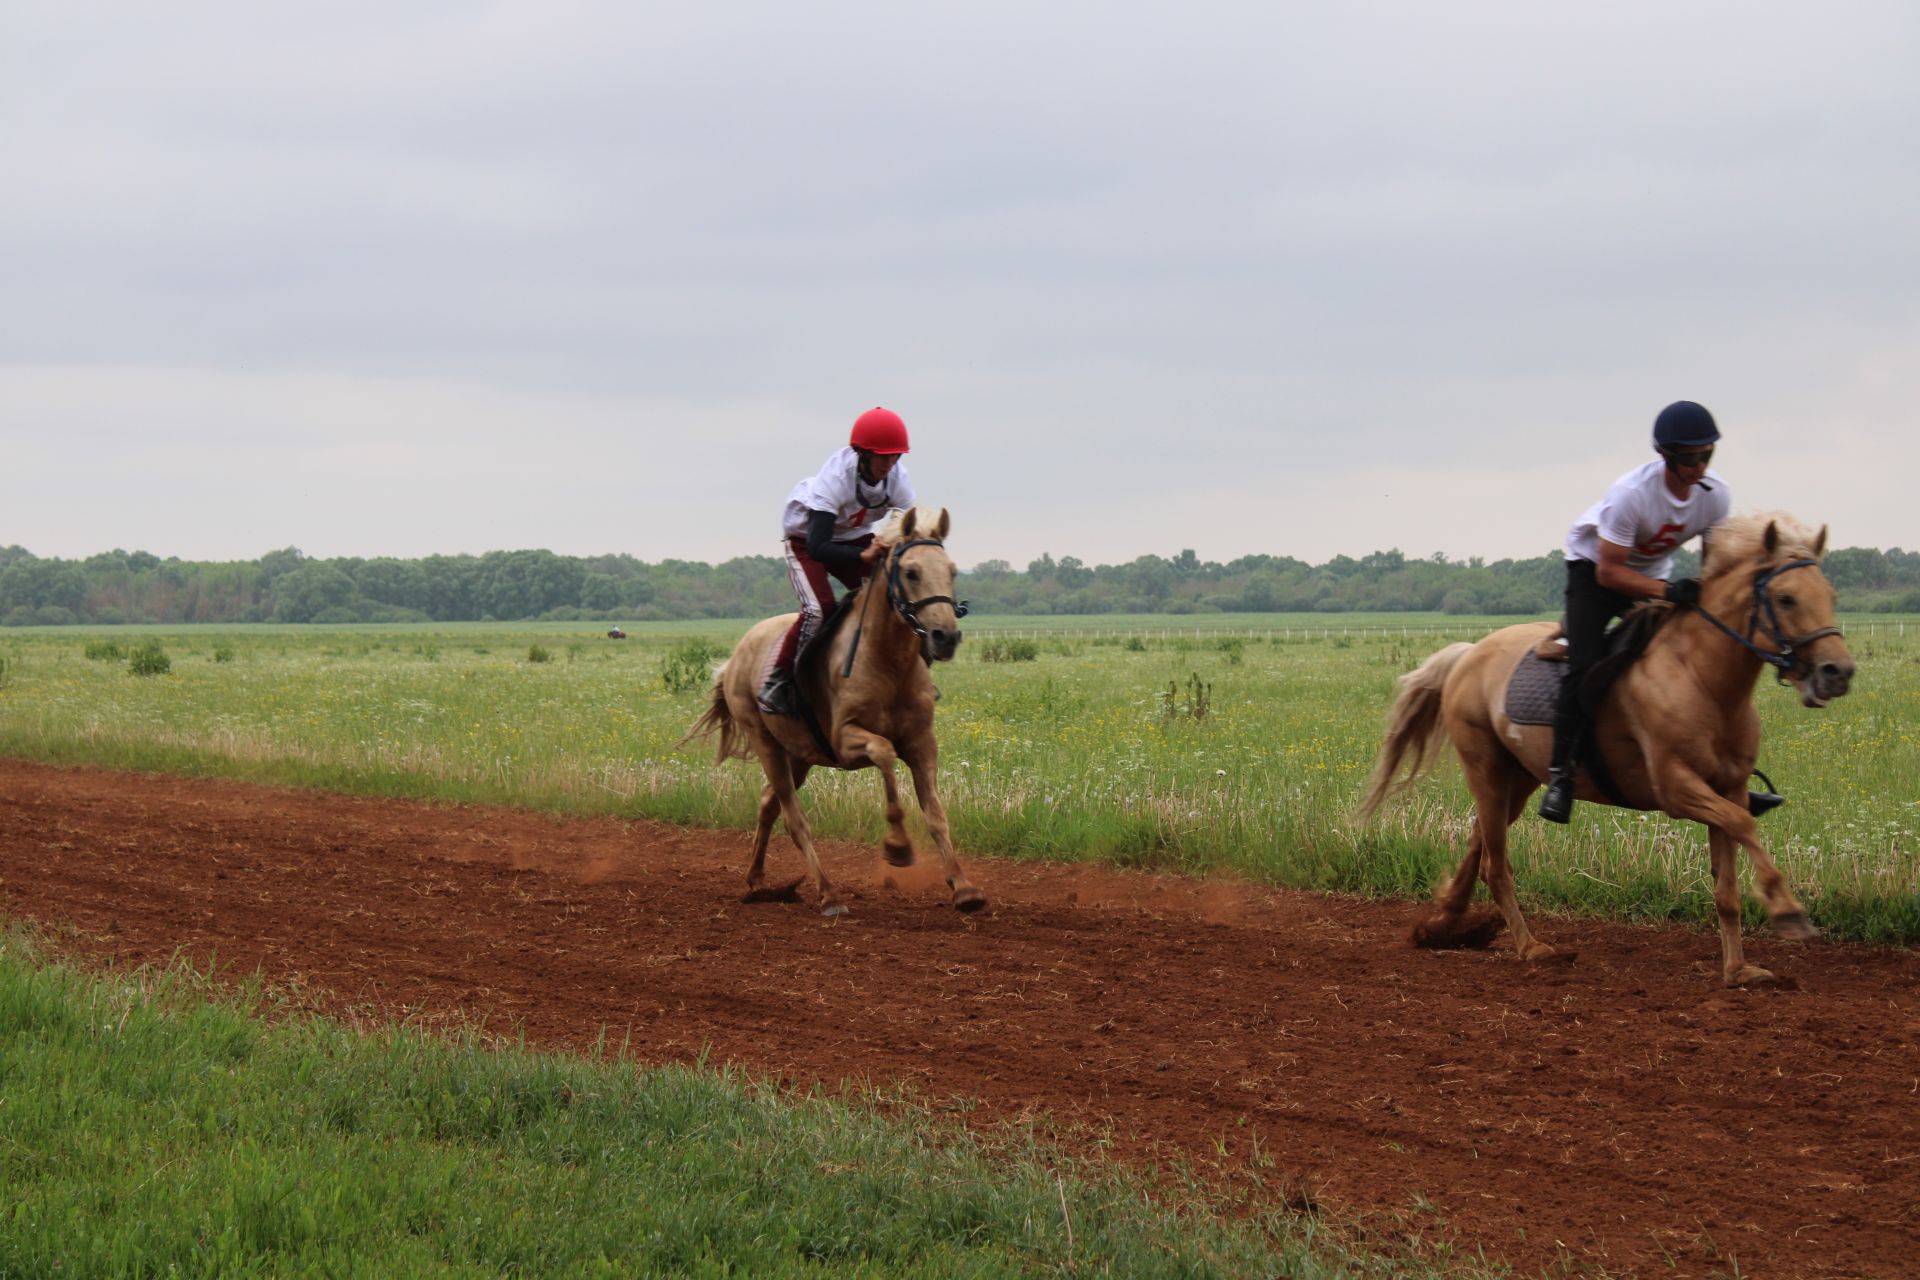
point(856, 505)
point(1641, 514)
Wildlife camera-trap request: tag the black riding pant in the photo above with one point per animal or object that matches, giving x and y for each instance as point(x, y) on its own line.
point(1590, 607)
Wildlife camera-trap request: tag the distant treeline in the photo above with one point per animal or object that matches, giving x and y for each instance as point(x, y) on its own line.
point(288, 586)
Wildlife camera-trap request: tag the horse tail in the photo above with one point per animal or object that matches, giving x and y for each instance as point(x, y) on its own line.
point(718, 717)
point(1415, 731)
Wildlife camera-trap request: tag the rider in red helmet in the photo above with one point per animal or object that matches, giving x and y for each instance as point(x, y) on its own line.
point(827, 532)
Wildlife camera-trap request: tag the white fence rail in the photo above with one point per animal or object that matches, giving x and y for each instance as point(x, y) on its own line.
point(1855, 630)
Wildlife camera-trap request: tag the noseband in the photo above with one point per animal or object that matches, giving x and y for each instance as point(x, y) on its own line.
point(1786, 656)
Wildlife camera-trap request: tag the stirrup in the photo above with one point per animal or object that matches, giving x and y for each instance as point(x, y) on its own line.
point(1759, 802)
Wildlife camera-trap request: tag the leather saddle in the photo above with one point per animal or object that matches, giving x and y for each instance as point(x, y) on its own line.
point(1534, 687)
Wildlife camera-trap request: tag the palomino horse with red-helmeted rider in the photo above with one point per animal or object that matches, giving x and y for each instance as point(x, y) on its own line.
point(868, 702)
point(1677, 732)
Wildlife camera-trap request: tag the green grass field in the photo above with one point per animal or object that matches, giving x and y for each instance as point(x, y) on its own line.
point(1228, 744)
point(150, 1125)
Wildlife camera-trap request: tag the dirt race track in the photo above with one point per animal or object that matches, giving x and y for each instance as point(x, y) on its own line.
point(1623, 1113)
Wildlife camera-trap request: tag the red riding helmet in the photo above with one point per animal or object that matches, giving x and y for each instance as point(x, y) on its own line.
point(879, 431)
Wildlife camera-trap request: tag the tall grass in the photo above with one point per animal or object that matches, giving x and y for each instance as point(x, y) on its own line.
point(151, 1127)
point(1072, 754)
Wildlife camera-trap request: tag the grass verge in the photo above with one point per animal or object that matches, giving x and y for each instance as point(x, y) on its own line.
point(150, 1125)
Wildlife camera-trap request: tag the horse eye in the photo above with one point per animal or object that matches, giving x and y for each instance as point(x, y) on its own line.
point(913, 575)
point(1788, 601)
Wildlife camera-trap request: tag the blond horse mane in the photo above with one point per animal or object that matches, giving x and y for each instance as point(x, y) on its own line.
point(925, 521)
point(1742, 541)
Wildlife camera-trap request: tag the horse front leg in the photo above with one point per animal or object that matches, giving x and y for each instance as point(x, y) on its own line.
point(923, 759)
point(1685, 794)
point(856, 742)
point(1734, 969)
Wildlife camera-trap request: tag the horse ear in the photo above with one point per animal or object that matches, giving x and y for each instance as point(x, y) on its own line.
point(906, 524)
point(1820, 543)
point(1771, 542)
point(940, 529)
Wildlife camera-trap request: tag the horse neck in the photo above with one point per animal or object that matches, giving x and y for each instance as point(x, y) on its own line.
point(886, 641)
point(1722, 665)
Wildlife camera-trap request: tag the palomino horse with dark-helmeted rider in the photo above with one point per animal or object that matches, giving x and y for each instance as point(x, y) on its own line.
point(1677, 732)
point(869, 701)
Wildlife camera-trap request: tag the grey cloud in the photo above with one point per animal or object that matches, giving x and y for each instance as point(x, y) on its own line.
point(1098, 260)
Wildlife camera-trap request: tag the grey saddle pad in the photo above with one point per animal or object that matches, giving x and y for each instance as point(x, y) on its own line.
point(1533, 689)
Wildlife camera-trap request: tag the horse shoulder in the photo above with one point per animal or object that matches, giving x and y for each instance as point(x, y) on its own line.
point(897, 722)
point(1675, 724)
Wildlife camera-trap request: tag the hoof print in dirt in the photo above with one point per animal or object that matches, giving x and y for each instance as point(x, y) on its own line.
point(789, 892)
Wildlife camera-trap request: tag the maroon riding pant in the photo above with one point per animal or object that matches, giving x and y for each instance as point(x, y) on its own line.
point(811, 583)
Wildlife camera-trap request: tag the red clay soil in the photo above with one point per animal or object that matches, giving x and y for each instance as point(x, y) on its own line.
point(1622, 1114)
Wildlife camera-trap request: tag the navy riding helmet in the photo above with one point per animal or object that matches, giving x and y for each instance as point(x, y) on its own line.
point(1683, 424)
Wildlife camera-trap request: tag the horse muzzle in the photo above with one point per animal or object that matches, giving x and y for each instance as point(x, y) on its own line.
point(1826, 681)
point(940, 643)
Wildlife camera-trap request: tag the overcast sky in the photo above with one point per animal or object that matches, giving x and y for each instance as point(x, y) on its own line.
point(1303, 279)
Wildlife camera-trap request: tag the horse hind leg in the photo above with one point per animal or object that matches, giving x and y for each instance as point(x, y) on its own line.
point(783, 779)
point(1497, 811)
point(1452, 925)
point(757, 869)
point(1500, 797)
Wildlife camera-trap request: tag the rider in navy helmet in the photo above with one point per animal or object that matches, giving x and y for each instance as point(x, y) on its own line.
point(1620, 552)
point(1684, 425)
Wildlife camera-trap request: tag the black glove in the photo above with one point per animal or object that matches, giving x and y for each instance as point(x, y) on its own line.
point(1683, 592)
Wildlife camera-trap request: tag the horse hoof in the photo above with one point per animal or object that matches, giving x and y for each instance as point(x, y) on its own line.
point(1795, 927)
point(1470, 930)
point(1541, 953)
point(1753, 978)
point(969, 900)
point(897, 855)
point(833, 909)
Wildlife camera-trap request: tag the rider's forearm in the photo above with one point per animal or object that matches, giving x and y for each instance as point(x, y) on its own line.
point(1624, 581)
point(821, 546)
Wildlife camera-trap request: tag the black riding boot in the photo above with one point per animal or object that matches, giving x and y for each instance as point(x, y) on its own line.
point(1557, 804)
point(776, 695)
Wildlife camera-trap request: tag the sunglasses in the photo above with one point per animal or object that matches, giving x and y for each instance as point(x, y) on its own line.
point(1689, 458)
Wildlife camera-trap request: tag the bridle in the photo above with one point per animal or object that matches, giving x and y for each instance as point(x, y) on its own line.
point(897, 594)
point(909, 610)
point(1786, 656)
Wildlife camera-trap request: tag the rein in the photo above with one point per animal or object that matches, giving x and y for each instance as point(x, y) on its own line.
point(1786, 657)
point(897, 598)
